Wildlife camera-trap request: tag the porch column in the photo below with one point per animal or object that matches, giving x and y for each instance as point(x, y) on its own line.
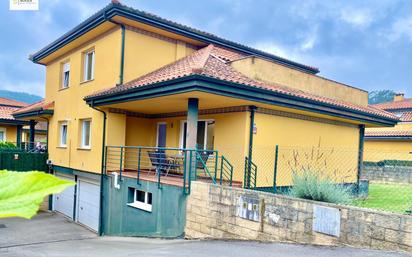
point(18, 136)
point(191, 134)
point(360, 154)
point(32, 124)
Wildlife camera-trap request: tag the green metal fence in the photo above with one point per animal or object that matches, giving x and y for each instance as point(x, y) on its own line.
point(17, 160)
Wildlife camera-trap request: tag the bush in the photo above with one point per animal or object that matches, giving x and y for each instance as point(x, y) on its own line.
point(7, 146)
point(309, 185)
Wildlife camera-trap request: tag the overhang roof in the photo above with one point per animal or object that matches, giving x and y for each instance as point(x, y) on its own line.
point(35, 109)
point(7, 107)
point(389, 134)
point(117, 9)
point(212, 62)
point(395, 105)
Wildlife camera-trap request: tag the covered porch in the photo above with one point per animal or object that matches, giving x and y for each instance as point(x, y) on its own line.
point(178, 138)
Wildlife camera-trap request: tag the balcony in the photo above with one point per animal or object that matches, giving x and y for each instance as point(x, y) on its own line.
point(172, 166)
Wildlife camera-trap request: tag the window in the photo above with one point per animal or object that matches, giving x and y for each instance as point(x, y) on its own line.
point(140, 199)
point(85, 133)
point(65, 75)
point(2, 135)
point(205, 134)
point(63, 133)
point(88, 72)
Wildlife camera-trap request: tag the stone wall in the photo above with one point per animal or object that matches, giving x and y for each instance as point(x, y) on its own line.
point(388, 174)
point(215, 212)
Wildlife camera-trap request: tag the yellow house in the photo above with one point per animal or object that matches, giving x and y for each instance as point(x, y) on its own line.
point(391, 143)
point(138, 106)
point(10, 128)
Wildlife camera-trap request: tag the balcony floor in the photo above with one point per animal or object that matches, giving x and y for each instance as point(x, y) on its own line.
point(170, 179)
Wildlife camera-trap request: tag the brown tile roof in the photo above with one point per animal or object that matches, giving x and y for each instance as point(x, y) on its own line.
point(11, 102)
point(389, 133)
point(211, 61)
point(406, 116)
point(397, 105)
point(41, 105)
point(6, 112)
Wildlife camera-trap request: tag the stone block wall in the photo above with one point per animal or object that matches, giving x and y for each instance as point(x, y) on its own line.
point(213, 212)
point(388, 174)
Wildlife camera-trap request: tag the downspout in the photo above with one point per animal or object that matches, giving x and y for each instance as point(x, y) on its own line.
point(102, 169)
point(250, 153)
point(122, 47)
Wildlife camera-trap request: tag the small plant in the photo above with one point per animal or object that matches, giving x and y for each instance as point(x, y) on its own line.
point(311, 186)
point(7, 146)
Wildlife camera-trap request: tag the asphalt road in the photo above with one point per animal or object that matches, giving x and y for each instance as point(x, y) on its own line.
point(52, 235)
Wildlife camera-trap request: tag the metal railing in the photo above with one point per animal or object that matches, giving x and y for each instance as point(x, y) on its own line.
point(30, 147)
point(250, 174)
point(168, 165)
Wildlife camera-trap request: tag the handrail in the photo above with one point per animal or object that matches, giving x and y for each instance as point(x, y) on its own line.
point(226, 164)
point(204, 166)
point(250, 173)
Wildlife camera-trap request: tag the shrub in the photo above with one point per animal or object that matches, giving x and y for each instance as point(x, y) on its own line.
point(7, 146)
point(309, 185)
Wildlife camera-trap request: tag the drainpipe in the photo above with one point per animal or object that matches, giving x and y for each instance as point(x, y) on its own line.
point(252, 123)
point(102, 169)
point(122, 46)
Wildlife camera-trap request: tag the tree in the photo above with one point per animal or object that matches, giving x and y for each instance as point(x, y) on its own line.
point(381, 96)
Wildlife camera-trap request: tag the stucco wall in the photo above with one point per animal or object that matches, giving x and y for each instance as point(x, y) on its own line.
point(167, 218)
point(321, 147)
point(271, 72)
point(11, 132)
point(143, 53)
point(212, 213)
point(378, 150)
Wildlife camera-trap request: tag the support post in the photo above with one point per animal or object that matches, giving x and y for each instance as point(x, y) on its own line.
point(18, 136)
point(32, 125)
point(275, 169)
point(250, 153)
point(360, 154)
point(191, 133)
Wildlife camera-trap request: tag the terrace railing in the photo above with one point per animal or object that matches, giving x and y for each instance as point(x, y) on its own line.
point(168, 165)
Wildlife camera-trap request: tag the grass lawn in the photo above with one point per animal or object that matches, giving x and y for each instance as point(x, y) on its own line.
point(388, 197)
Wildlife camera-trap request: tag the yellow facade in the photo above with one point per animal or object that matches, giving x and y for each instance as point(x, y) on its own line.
point(327, 149)
point(11, 132)
point(379, 150)
point(143, 53)
point(267, 71)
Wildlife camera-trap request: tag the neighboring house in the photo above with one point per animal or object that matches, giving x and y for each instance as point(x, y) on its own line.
point(391, 143)
point(10, 128)
point(128, 78)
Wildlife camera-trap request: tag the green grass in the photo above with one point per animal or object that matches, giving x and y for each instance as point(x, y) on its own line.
point(388, 197)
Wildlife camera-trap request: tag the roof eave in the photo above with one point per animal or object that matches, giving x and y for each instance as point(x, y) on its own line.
point(33, 113)
point(116, 9)
point(13, 122)
point(388, 138)
point(225, 88)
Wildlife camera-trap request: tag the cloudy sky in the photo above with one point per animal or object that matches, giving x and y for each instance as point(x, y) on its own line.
point(367, 44)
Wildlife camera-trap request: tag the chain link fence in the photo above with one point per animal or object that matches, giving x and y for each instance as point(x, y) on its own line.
point(378, 179)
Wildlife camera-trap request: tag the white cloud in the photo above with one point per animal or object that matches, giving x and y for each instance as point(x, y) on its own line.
point(359, 18)
point(400, 28)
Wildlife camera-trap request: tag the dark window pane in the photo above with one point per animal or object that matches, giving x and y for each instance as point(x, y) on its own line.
point(140, 196)
point(200, 140)
point(149, 198)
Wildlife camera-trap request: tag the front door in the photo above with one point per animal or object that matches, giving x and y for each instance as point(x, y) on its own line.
point(161, 134)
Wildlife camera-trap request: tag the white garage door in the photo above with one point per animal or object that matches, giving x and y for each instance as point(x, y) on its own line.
point(88, 204)
point(64, 202)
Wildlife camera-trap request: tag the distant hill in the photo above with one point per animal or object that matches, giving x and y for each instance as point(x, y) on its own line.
point(381, 96)
point(20, 96)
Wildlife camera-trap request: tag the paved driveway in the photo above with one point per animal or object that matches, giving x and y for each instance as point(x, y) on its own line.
point(52, 235)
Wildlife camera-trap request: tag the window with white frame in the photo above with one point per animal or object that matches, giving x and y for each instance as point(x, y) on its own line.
point(63, 134)
point(140, 199)
point(205, 134)
point(88, 72)
point(65, 75)
point(85, 133)
point(2, 135)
